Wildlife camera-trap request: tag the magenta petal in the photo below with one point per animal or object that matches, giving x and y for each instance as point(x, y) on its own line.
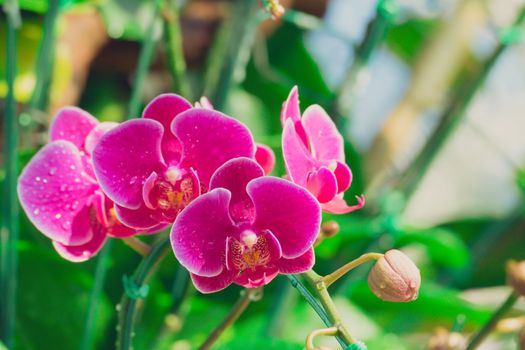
point(290, 109)
point(296, 157)
point(141, 218)
point(260, 276)
point(234, 176)
point(300, 264)
point(80, 253)
point(125, 156)
point(265, 157)
point(322, 184)
point(72, 124)
point(343, 174)
point(164, 108)
point(215, 283)
point(291, 213)
point(53, 188)
point(325, 140)
point(339, 206)
point(209, 139)
point(96, 134)
point(198, 236)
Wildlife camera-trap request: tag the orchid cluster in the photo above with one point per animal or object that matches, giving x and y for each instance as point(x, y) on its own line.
point(198, 170)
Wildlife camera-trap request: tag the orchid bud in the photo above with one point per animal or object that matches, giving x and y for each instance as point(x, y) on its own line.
point(329, 228)
point(442, 339)
point(395, 277)
point(516, 276)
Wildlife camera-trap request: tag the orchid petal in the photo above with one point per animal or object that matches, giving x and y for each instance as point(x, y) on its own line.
point(339, 206)
point(164, 108)
point(265, 157)
point(325, 140)
point(322, 183)
point(125, 156)
point(209, 139)
point(141, 218)
point(96, 133)
point(300, 264)
point(83, 252)
point(296, 157)
point(257, 277)
point(72, 124)
point(53, 188)
point(234, 175)
point(343, 174)
point(291, 213)
point(198, 236)
point(291, 110)
point(213, 284)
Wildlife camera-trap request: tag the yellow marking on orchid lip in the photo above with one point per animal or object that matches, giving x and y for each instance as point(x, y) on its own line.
point(112, 213)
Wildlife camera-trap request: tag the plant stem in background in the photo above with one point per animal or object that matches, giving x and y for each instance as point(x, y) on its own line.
point(10, 227)
point(450, 119)
point(98, 287)
point(137, 245)
point(231, 51)
point(44, 64)
point(332, 331)
point(480, 335)
point(343, 270)
point(247, 296)
point(151, 37)
point(138, 290)
point(176, 62)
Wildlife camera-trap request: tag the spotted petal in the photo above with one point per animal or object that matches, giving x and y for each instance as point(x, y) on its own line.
point(291, 213)
point(53, 189)
point(209, 139)
point(198, 236)
point(125, 156)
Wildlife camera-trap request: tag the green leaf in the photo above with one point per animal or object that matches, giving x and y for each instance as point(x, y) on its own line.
point(442, 245)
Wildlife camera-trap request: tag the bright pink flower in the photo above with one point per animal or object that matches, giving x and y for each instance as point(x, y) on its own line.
point(313, 152)
point(247, 229)
point(155, 166)
point(59, 193)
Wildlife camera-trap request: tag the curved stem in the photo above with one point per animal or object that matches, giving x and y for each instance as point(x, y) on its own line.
point(481, 334)
point(317, 282)
point(343, 270)
point(137, 245)
point(96, 291)
point(324, 331)
point(128, 305)
point(247, 297)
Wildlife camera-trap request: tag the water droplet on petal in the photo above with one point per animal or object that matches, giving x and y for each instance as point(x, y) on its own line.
point(63, 188)
point(132, 180)
point(72, 167)
point(36, 211)
point(58, 216)
point(44, 181)
point(37, 179)
point(52, 171)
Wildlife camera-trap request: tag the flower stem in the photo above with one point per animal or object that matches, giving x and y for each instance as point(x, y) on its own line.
point(323, 331)
point(173, 35)
point(340, 272)
point(98, 286)
point(137, 245)
point(317, 282)
point(481, 334)
point(145, 57)
point(246, 298)
point(128, 304)
point(10, 227)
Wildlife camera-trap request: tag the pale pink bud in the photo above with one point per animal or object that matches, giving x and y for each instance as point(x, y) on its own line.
point(516, 276)
point(395, 277)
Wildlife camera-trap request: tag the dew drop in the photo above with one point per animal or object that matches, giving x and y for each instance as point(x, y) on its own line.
point(58, 216)
point(37, 179)
point(63, 188)
point(44, 181)
point(132, 180)
point(72, 167)
point(52, 171)
point(36, 211)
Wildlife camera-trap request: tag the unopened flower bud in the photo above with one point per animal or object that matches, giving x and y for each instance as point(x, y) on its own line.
point(395, 277)
point(445, 340)
point(329, 228)
point(516, 276)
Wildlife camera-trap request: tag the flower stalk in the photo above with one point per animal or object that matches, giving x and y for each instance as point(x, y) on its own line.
point(332, 331)
point(343, 270)
point(137, 245)
point(247, 296)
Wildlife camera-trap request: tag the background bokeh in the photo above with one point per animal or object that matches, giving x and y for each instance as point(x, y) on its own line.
point(429, 94)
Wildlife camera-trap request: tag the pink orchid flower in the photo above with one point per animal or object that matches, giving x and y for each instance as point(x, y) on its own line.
point(155, 166)
point(247, 229)
point(59, 193)
point(313, 152)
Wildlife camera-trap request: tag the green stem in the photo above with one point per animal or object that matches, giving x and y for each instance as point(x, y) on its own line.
point(480, 335)
point(98, 286)
point(451, 118)
point(128, 305)
point(317, 282)
point(145, 57)
point(10, 226)
point(230, 51)
point(176, 62)
point(248, 295)
point(314, 304)
point(343, 270)
point(44, 64)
